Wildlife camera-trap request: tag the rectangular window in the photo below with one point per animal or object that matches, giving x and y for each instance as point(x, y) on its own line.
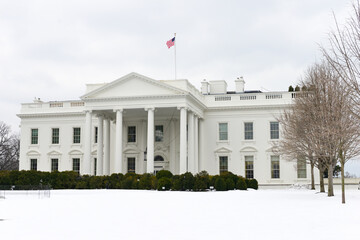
point(55, 136)
point(96, 135)
point(223, 131)
point(34, 136)
point(249, 166)
point(33, 164)
point(301, 168)
point(131, 165)
point(95, 164)
point(159, 133)
point(275, 167)
point(223, 164)
point(54, 164)
point(274, 130)
point(248, 131)
point(76, 165)
point(131, 134)
point(76, 135)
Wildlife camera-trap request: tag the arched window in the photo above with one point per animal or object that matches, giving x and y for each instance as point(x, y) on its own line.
point(158, 158)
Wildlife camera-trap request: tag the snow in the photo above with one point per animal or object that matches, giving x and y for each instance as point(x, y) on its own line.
point(139, 214)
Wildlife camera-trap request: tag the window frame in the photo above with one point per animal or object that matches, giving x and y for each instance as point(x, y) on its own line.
point(33, 164)
point(275, 172)
point(96, 135)
point(128, 165)
point(274, 131)
point(162, 133)
point(75, 136)
point(53, 164)
point(223, 132)
point(34, 138)
point(249, 171)
point(221, 168)
point(53, 136)
point(247, 131)
point(131, 134)
point(301, 170)
point(73, 165)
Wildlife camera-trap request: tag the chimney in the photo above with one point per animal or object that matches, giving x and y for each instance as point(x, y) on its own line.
point(204, 87)
point(239, 85)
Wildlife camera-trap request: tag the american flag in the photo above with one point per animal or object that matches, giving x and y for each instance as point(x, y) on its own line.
point(170, 43)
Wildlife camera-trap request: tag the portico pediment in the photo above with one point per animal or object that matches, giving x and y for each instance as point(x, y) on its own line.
point(133, 85)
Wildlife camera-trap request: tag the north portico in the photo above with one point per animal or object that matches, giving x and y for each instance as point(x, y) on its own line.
point(138, 124)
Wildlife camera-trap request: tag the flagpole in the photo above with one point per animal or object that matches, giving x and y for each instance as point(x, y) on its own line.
point(175, 53)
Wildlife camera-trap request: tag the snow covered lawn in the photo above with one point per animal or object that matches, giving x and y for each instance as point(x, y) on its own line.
point(138, 214)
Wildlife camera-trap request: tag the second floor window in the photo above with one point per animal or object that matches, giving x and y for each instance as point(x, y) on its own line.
point(159, 133)
point(34, 136)
point(76, 135)
point(96, 135)
point(223, 131)
point(55, 136)
point(274, 130)
point(131, 134)
point(248, 131)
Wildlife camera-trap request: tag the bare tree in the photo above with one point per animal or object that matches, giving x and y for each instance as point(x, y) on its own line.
point(321, 126)
point(9, 148)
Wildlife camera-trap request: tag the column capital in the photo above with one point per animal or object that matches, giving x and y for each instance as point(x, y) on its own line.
point(100, 115)
point(182, 107)
point(149, 109)
point(88, 111)
point(118, 110)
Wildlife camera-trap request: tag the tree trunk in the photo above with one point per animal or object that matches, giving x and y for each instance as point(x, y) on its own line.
point(330, 181)
point(322, 187)
point(342, 180)
point(312, 177)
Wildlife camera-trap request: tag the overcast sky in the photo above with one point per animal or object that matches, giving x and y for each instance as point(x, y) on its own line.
point(51, 49)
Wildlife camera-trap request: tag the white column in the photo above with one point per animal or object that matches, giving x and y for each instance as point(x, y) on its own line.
point(201, 144)
point(183, 144)
point(106, 147)
point(172, 147)
point(196, 144)
point(191, 153)
point(100, 145)
point(118, 141)
point(86, 166)
point(150, 141)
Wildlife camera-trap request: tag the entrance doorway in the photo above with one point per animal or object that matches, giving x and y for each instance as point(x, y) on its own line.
point(159, 164)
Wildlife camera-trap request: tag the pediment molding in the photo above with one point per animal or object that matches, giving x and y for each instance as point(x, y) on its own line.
point(127, 78)
point(223, 150)
point(248, 149)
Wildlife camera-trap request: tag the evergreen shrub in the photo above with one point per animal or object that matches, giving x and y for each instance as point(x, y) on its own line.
point(164, 182)
point(164, 173)
point(220, 184)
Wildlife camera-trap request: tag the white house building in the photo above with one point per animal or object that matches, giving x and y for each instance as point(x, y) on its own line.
point(138, 124)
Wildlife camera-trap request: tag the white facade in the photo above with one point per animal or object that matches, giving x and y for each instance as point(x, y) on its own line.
point(146, 125)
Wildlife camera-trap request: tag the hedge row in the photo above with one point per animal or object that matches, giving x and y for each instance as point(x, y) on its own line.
point(164, 180)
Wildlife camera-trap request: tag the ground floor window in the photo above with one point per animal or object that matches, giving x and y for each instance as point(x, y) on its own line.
point(131, 165)
point(95, 164)
point(223, 164)
point(275, 166)
point(76, 165)
point(249, 166)
point(301, 168)
point(33, 164)
point(54, 164)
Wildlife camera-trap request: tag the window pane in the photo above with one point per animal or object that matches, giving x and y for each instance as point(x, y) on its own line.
point(33, 164)
point(95, 164)
point(54, 164)
point(223, 131)
point(249, 166)
point(76, 165)
point(301, 168)
point(131, 165)
point(223, 164)
point(55, 136)
point(96, 135)
point(132, 134)
point(274, 130)
point(159, 133)
point(34, 136)
point(275, 167)
point(248, 129)
point(76, 135)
